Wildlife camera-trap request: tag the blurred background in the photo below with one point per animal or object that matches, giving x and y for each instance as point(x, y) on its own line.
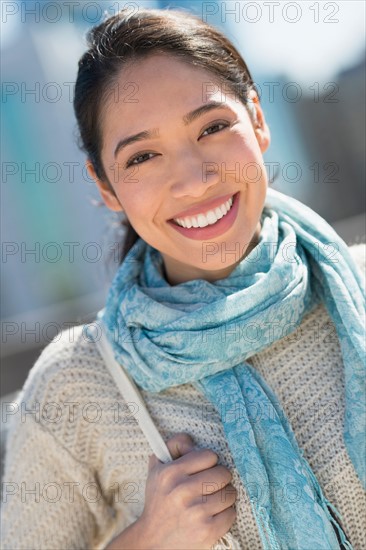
point(308, 60)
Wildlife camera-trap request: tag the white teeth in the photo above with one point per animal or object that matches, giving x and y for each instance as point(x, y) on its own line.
point(211, 218)
point(218, 213)
point(202, 220)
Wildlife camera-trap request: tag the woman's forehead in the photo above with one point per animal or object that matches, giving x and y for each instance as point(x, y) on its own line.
point(162, 81)
point(163, 63)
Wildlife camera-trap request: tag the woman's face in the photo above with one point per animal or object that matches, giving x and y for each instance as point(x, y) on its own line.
point(183, 163)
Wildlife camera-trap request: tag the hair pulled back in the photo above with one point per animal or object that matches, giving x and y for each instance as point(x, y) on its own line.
point(128, 36)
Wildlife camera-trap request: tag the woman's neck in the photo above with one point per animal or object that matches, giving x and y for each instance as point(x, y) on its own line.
point(177, 273)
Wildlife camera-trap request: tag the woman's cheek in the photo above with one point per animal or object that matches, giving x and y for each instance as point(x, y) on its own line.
point(132, 179)
point(141, 203)
point(237, 147)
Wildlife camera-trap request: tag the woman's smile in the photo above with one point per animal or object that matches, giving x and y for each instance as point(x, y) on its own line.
point(206, 207)
point(200, 228)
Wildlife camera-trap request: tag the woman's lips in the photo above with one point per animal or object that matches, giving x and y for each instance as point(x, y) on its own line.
point(203, 208)
point(214, 230)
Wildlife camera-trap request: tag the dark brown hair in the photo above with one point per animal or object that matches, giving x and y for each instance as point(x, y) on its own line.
point(127, 37)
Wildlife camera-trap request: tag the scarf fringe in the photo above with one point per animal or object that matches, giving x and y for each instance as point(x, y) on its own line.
point(326, 504)
point(267, 534)
point(226, 542)
point(347, 545)
point(266, 530)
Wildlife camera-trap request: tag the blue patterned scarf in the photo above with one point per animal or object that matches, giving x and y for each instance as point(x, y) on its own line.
point(168, 335)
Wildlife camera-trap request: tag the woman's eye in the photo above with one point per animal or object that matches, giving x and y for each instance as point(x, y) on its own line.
point(143, 157)
point(138, 159)
point(214, 128)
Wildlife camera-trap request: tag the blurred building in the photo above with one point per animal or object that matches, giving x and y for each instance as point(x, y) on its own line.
point(334, 131)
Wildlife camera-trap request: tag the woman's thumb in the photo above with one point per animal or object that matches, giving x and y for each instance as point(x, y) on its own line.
point(178, 445)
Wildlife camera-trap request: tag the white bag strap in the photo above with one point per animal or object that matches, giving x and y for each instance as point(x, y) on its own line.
point(131, 394)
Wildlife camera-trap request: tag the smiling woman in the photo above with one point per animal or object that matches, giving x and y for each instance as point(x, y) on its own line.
point(236, 316)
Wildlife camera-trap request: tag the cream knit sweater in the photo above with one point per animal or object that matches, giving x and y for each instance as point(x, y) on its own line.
point(76, 466)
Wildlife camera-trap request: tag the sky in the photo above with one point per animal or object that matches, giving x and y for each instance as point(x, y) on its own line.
point(325, 38)
point(308, 41)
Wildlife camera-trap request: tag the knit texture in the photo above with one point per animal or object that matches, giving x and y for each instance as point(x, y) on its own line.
point(76, 468)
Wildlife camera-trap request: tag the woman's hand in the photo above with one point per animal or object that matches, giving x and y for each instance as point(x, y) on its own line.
point(189, 501)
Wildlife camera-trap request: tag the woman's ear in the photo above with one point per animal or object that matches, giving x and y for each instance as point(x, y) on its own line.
point(261, 129)
point(107, 194)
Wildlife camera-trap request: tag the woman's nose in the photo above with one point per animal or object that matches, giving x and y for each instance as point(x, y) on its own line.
point(192, 175)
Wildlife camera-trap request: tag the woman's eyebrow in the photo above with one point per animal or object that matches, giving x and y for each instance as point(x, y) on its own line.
point(192, 115)
point(154, 132)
